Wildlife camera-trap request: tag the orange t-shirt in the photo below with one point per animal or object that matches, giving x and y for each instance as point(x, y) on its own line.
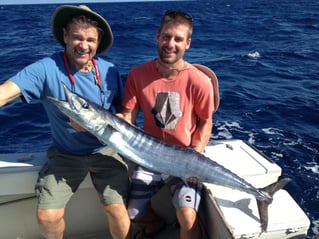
point(171, 107)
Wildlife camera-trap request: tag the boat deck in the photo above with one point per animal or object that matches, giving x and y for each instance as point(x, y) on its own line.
point(170, 232)
point(224, 213)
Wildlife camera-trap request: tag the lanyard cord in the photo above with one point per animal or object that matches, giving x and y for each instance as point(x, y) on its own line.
point(71, 77)
point(96, 76)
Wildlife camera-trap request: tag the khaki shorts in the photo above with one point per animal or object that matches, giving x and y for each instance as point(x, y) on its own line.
point(63, 173)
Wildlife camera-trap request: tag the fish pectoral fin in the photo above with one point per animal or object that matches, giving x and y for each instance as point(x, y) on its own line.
point(263, 204)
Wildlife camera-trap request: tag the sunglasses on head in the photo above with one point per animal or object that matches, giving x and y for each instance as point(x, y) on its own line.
point(174, 14)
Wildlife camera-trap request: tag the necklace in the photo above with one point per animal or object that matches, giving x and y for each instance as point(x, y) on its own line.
point(167, 71)
point(71, 77)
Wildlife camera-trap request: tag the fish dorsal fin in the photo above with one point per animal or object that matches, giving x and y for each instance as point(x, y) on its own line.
point(207, 71)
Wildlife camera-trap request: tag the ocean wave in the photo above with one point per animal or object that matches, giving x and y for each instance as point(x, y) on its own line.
point(253, 55)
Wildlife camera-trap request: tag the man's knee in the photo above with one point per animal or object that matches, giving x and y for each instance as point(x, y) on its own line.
point(186, 217)
point(115, 210)
point(49, 216)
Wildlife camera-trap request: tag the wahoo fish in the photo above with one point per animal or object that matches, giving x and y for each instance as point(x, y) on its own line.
point(158, 155)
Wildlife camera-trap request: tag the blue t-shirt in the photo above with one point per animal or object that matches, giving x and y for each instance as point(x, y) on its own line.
point(46, 77)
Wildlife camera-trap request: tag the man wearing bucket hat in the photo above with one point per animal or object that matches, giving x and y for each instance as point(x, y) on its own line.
point(74, 153)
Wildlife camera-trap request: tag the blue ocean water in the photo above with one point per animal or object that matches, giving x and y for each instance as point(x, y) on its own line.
point(264, 53)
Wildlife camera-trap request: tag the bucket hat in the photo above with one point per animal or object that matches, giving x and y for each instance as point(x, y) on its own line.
point(63, 13)
point(207, 71)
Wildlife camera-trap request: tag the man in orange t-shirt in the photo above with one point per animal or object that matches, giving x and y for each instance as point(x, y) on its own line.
point(178, 103)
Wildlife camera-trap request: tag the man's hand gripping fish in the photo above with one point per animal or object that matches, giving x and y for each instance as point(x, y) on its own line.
point(157, 155)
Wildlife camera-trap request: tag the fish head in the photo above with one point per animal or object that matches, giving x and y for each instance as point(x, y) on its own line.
point(79, 110)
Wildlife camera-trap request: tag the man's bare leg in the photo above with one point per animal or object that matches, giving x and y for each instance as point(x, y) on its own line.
point(118, 219)
point(189, 225)
point(51, 223)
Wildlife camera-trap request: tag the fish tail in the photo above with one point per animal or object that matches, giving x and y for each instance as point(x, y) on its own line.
point(269, 190)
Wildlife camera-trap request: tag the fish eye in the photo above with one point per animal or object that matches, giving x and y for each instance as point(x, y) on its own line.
point(85, 105)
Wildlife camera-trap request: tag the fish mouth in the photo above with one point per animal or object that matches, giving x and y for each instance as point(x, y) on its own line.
point(63, 104)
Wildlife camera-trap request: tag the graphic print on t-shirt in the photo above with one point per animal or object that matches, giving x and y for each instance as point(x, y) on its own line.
point(167, 110)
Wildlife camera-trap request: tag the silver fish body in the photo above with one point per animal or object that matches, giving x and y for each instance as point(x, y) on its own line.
point(150, 152)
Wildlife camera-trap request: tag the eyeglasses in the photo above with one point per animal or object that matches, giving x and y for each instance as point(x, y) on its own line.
point(174, 14)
